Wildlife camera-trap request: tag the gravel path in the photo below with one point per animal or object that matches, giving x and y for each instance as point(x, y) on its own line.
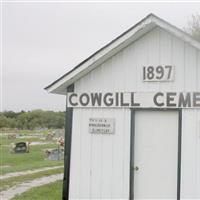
point(23, 187)
point(9, 175)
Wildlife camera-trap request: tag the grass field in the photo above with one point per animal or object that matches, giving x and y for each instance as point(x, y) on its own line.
point(35, 159)
point(51, 191)
point(11, 162)
point(10, 182)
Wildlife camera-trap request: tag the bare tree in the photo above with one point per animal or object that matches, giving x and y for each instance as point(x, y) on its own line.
point(193, 27)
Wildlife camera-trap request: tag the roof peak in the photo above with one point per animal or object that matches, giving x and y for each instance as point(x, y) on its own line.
point(146, 24)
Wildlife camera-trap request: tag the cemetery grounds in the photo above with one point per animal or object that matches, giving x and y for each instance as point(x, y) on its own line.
point(27, 173)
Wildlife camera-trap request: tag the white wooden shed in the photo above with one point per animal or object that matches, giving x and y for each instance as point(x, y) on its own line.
point(133, 117)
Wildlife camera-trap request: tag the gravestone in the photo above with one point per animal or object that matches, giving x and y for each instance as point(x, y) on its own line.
point(49, 137)
point(55, 154)
point(12, 136)
point(59, 133)
point(21, 147)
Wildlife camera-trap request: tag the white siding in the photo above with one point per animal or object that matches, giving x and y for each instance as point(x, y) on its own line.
point(100, 163)
point(190, 155)
point(123, 71)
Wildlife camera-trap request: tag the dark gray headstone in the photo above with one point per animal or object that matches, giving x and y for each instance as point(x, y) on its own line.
point(55, 154)
point(21, 147)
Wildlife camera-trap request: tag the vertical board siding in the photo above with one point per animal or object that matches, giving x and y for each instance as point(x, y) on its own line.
point(191, 155)
point(100, 163)
point(190, 68)
point(189, 150)
point(84, 157)
point(198, 71)
point(166, 56)
point(123, 72)
point(198, 154)
point(75, 178)
point(178, 60)
point(198, 128)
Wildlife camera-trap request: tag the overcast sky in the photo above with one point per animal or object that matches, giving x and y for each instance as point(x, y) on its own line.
point(42, 41)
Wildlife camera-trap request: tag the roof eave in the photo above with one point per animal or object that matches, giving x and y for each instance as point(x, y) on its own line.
point(141, 28)
point(59, 86)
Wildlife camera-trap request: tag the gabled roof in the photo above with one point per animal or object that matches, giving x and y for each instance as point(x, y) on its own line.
point(145, 25)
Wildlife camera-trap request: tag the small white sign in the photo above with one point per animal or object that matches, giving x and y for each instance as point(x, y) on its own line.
point(101, 125)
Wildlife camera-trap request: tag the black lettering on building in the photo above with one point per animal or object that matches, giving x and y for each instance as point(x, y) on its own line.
point(184, 100)
point(107, 99)
point(170, 99)
point(122, 100)
point(117, 99)
point(196, 99)
point(155, 99)
point(70, 99)
point(96, 98)
point(84, 99)
point(133, 103)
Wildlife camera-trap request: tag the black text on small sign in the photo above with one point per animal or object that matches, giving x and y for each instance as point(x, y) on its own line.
point(101, 125)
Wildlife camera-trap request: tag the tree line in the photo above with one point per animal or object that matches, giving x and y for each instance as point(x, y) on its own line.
point(193, 26)
point(32, 119)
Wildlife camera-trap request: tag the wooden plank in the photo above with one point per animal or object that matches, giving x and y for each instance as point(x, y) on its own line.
point(189, 152)
point(190, 68)
point(75, 172)
point(67, 154)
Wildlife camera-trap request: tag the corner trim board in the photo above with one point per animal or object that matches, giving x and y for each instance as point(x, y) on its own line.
point(67, 153)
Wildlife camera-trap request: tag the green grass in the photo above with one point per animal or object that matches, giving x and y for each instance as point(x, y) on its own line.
point(5, 141)
point(28, 161)
point(11, 130)
point(25, 132)
point(25, 161)
point(10, 182)
point(51, 191)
